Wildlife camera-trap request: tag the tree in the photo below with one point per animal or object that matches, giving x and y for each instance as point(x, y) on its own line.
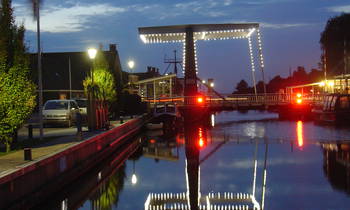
point(17, 92)
point(242, 87)
point(104, 83)
point(335, 41)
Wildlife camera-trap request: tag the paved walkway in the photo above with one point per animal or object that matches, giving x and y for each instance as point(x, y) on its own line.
point(60, 142)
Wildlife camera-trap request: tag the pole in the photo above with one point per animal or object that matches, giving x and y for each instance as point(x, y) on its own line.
point(40, 82)
point(70, 79)
point(252, 63)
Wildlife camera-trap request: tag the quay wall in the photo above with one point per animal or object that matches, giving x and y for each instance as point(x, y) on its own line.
point(41, 177)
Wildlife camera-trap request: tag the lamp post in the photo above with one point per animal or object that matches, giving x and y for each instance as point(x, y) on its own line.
point(91, 116)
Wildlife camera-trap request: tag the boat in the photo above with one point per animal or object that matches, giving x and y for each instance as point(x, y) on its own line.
point(165, 116)
point(335, 108)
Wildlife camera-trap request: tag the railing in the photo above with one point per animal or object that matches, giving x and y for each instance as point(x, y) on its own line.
point(239, 99)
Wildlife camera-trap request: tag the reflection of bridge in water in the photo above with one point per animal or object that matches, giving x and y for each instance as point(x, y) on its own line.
point(195, 138)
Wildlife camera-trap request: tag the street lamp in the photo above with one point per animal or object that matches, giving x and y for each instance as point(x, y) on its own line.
point(131, 64)
point(92, 118)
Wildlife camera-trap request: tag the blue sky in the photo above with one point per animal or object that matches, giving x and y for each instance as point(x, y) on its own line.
point(290, 31)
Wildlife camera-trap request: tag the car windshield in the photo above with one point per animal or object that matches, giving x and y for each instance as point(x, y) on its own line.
point(81, 103)
point(56, 105)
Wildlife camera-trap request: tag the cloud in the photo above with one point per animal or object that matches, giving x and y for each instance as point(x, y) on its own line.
point(284, 25)
point(58, 19)
point(344, 8)
point(248, 164)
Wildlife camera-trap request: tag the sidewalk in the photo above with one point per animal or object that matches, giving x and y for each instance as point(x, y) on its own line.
point(61, 141)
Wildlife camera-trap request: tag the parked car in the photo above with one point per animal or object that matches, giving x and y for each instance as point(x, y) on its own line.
point(61, 112)
point(82, 103)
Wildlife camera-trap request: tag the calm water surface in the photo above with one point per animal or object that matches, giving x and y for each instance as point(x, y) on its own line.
point(307, 166)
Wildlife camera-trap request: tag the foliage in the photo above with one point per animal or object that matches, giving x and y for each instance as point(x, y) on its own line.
point(298, 77)
point(17, 91)
point(17, 101)
point(242, 87)
point(104, 82)
point(335, 41)
point(108, 194)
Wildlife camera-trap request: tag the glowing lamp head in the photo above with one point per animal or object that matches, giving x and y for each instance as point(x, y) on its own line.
point(299, 95)
point(212, 84)
point(92, 53)
point(131, 64)
point(299, 101)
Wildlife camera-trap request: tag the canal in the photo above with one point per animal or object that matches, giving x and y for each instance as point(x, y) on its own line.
point(221, 163)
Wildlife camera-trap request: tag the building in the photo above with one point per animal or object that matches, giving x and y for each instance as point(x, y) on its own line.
point(63, 72)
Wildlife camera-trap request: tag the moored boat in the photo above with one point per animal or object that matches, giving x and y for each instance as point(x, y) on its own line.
point(335, 108)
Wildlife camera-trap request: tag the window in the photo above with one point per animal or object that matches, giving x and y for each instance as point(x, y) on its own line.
point(56, 105)
point(73, 105)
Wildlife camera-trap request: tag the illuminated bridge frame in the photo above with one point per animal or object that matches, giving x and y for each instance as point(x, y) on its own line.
point(188, 35)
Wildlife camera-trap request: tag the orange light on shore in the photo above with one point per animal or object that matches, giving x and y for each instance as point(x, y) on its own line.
point(300, 133)
point(200, 100)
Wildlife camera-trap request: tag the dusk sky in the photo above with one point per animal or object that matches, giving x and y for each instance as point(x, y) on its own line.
point(290, 32)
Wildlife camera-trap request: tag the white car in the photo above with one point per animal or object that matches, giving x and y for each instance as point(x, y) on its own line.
point(60, 112)
point(82, 103)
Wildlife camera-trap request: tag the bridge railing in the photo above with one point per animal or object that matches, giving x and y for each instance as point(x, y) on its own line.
point(238, 99)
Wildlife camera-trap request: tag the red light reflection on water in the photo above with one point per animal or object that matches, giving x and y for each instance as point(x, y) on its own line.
point(300, 133)
point(200, 135)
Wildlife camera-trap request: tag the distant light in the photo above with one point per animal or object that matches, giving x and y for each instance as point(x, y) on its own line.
point(200, 100)
point(131, 64)
point(299, 101)
point(152, 141)
point(330, 83)
point(321, 84)
point(212, 84)
point(92, 53)
point(203, 81)
point(133, 179)
point(299, 95)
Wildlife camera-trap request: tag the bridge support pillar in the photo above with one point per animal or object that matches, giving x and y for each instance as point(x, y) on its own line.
point(190, 87)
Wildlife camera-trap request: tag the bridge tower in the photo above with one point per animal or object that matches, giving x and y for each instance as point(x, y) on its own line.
point(188, 35)
point(190, 88)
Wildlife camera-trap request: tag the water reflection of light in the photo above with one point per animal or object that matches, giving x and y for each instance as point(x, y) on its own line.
point(212, 120)
point(200, 135)
point(300, 133)
point(133, 179)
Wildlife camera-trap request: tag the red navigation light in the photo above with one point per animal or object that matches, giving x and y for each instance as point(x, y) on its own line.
point(200, 99)
point(201, 142)
point(299, 101)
